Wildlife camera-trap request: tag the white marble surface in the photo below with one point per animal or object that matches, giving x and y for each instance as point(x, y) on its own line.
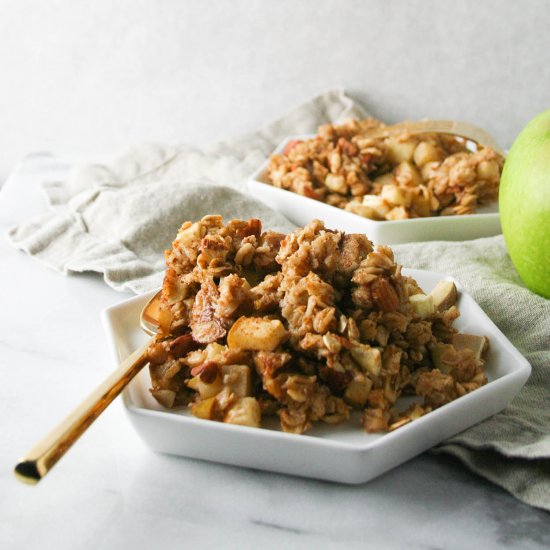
point(111, 492)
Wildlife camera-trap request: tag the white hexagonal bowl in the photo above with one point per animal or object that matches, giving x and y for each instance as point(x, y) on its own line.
point(301, 210)
point(342, 453)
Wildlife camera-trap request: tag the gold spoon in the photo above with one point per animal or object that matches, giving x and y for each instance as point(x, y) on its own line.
point(32, 467)
point(451, 127)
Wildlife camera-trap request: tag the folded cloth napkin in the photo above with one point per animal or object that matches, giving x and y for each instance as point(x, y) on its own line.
point(512, 448)
point(117, 219)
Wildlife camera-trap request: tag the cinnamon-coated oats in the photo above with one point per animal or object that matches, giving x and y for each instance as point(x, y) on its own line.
point(388, 178)
point(308, 326)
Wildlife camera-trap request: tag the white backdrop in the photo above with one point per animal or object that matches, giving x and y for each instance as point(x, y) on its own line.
point(90, 77)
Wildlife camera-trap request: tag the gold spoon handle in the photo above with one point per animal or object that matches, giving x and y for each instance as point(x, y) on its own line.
point(453, 127)
point(44, 455)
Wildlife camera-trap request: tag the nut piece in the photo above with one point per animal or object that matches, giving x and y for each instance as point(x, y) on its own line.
point(375, 420)
point(332, 342)
point(245, 412)
point(444, 295)
point(423, 305)
point(256, 333)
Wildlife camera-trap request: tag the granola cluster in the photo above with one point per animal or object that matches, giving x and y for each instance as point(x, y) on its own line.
point(388, 178)
point(307, 326)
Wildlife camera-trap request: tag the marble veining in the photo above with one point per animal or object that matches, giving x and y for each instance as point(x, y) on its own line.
point(278, 527)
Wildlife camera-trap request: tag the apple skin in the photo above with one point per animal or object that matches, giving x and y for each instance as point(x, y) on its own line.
point(524, 204)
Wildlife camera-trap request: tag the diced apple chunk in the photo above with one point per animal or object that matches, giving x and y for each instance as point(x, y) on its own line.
point(361, 210)
point(423, 305)
point(444, 295)
point(397, 213)
point(205, 389)
point(177, 292)
point(165, 319)
point(407, 174)
point(190, 234)
point(385, 179)
point(205, 408)
point(377, 204)
point(245, 412)
point(367, 357)
point(256, 333)
point(336, 183)
point(399, 151)
point(437, 352)
point(396, 195)
point(238, 379)
point(421, 202)
point(165, 397)
point(358, 390)
point(426, 152)
point(214, 350)
point(478, 344)
point(488, 169)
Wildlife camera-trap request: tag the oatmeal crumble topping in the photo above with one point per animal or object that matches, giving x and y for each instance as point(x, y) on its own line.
point(307, 326)
point(388, 178)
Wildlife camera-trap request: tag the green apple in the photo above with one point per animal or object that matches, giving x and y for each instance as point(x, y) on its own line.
point(524, 204)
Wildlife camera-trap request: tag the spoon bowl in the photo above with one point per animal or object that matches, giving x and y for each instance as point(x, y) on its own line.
point(149, 318)
point(456, 128)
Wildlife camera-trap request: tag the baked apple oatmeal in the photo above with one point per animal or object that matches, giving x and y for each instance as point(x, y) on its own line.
point(306, 326)
point(395, 177)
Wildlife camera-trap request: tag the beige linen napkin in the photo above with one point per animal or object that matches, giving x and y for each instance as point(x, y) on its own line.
point(117, 219)
point(512, 448)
